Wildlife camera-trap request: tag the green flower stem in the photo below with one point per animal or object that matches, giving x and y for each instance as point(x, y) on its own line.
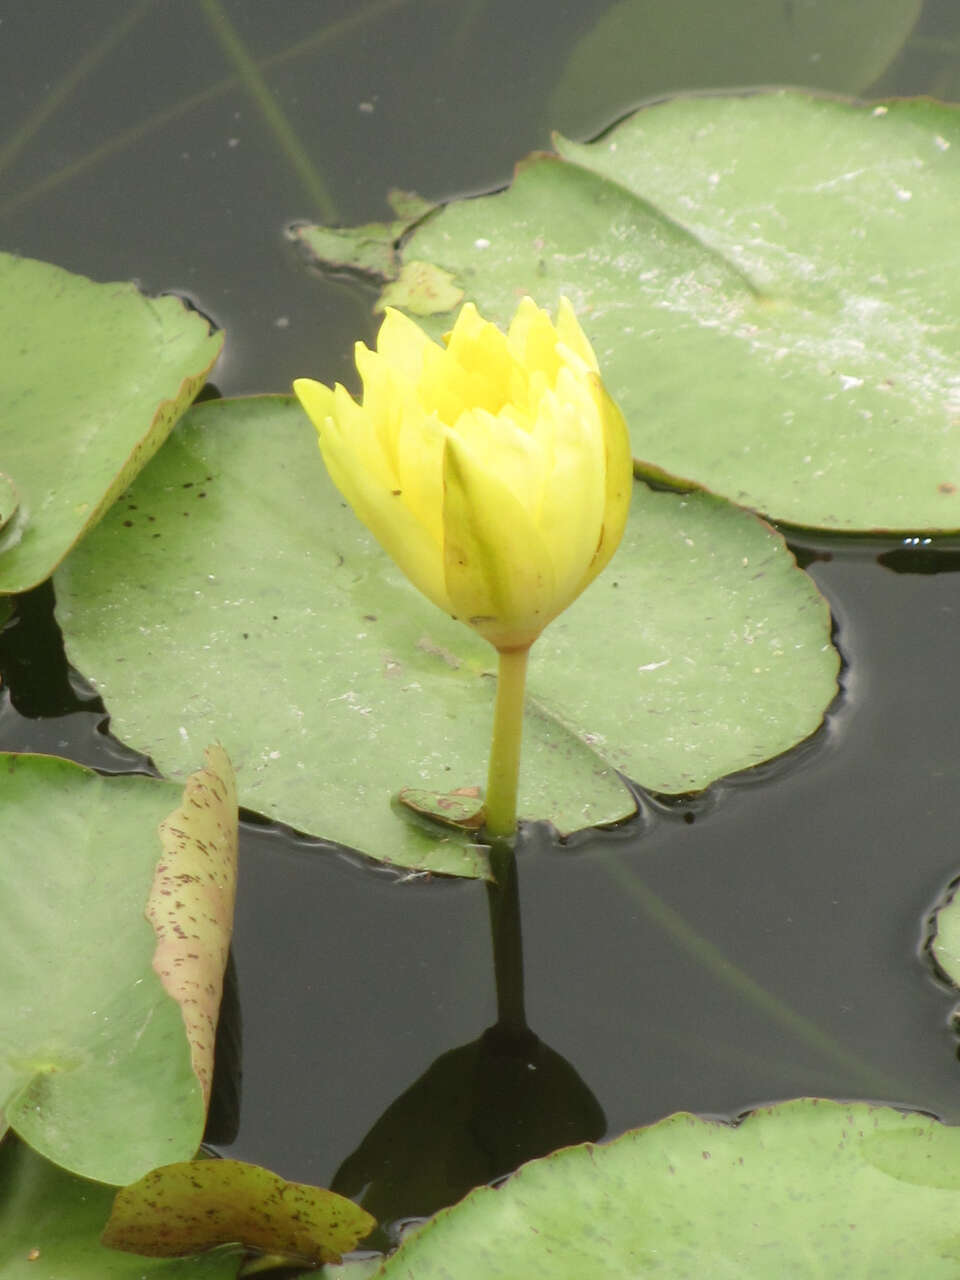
point(503, 901)
point(504, 769)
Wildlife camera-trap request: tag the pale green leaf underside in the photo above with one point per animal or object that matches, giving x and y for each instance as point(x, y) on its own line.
point(772, 285)
point(92, 378)
point(95, 1066)
point(188, 1207)
point(801, 1191)
point(232, 594)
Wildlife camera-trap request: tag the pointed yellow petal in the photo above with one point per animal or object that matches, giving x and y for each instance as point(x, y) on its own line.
point(386, 397)
point(342, 426)
point(402, 342)
point(619, 477)
point(479, 346)
point(420, 471)
point(573, 510)
point(316, 399)
point(412, 545)
point(497, 568)
point(572, 336)
point(506, 450)
point(353, 433)
point(533, 341)
point(446, 388)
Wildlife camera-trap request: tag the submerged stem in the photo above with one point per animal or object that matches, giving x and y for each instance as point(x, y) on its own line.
point(82, 66)
point(503, 901)
point(504, 768)
point(268, 104)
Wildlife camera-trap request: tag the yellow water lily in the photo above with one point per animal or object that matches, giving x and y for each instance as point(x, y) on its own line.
point(495, 470)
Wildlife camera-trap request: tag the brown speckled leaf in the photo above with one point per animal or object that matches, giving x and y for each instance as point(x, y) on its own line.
point(185, 1208)
point(191, 903)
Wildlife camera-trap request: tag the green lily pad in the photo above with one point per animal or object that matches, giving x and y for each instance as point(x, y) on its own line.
point(808, 1188)
point(644, 49)
point(96, 1067)
point(771, 283)
point(195, 1205)
point(50, 1225)
point(93, 377)
point(265, 613)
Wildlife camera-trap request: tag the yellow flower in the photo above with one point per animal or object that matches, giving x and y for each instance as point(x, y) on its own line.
point(496, 471)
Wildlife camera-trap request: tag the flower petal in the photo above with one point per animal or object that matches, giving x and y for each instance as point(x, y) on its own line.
point(397, 529)
point(572, 514)
point(402, 343)
point(498, 569)
point(572, 336)
point(532, 339)
point(366, 478)
point(507, 450)
point(420, 472)
point(479, 346)
point(316, 398)
point(619, 476)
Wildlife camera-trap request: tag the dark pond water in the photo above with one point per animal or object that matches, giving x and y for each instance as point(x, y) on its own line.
point(761, 942)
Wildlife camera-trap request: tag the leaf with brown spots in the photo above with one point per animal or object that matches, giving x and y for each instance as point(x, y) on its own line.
point(95, 1071)
point(191, 903)
point(186, 1208)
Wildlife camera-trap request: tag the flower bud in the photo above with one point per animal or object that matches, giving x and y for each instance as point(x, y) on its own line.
point(495, 470)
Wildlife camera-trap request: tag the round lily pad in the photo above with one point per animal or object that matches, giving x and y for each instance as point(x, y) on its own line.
point(804, 1189)
point(771, 282)
point(231, 592)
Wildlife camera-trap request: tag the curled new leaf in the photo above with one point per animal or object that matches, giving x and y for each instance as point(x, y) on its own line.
point(191, 903)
